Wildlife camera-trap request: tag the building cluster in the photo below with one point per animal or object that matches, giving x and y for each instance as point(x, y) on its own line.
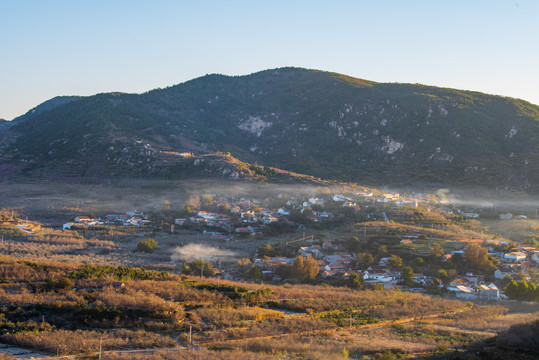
point(133, 218)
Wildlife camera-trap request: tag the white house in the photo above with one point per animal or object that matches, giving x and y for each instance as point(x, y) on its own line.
point(208, 215)
point(490, 292)
point(68, 225)
point(463, 292)
point(269, 219)
point(316, 201)
point(514, 257)
point(500, 274)
point(283, 211)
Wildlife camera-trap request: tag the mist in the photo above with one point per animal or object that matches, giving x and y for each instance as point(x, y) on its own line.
point(192, 252)
point(515, 202)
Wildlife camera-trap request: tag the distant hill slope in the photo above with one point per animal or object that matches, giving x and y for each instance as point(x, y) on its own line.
point(45, 106)
point(4, 124)
point(318, 123)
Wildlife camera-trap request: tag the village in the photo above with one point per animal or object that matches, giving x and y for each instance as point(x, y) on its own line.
point(410, 261)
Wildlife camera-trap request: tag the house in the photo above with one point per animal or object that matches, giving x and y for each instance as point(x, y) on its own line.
point(419, 278)
point(82, 219)
point(514, 257)
point(282, 211)
point(501, 273)
point(446, 257)
point(208, 215)
point(180, 221)
point(406, 242)
point(378, 275)
point(312, 251)
point(342, 268)
point(134, 222)
point(463, 292)
point(507, 216)
point(327, 215)
point(490, 292)
point(474, 279)
point(340, 198)
point(461, 282)
point(470, 215)
point(316, 201)
point(269, 219)
point(338, 258)
point(69, 225)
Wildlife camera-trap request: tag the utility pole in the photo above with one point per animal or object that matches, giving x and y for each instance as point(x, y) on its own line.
point(190, 331)
point(100, 339)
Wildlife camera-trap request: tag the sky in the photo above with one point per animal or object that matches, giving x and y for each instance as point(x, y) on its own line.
point(84, 47)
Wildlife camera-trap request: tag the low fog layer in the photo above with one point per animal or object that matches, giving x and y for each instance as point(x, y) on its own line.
point(520, 202)
point(192, 252)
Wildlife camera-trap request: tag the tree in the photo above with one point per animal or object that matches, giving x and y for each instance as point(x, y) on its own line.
point(382, 250)
point(189, 208)
point(442, 274)
point(192, 205)
point(395, 261)
point(436, 250)
point(364, 260)
point(206, 201)
point(355, 281)
point(353, 244)
point(407, 275)
point(243, 262)
point(522, 290)
point(306, 268)
point(198, 267)
point(254, 273)
point(225, 208)
point(477, 256)
point(265, 250)
point(458, 259)
point(147, 245)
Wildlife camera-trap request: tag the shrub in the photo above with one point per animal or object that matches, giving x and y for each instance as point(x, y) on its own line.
point(147, 245)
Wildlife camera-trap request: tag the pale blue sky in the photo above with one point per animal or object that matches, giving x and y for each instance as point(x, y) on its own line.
point(83, 47)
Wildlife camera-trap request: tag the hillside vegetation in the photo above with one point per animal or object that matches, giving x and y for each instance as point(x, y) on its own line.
point(312, 122)
point(67, 308)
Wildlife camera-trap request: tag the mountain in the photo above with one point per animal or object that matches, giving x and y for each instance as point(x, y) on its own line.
point(4, 124)
point(318, 123)
point(45, 106)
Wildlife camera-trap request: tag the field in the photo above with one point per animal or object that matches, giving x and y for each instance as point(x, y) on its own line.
point(72, 292)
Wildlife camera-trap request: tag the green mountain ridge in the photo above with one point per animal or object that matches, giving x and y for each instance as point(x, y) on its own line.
point(323, 124)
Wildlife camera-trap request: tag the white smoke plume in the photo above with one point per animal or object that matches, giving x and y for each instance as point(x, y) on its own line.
point(192, 252)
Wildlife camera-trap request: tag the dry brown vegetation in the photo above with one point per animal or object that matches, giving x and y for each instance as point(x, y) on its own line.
point(82, 341)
